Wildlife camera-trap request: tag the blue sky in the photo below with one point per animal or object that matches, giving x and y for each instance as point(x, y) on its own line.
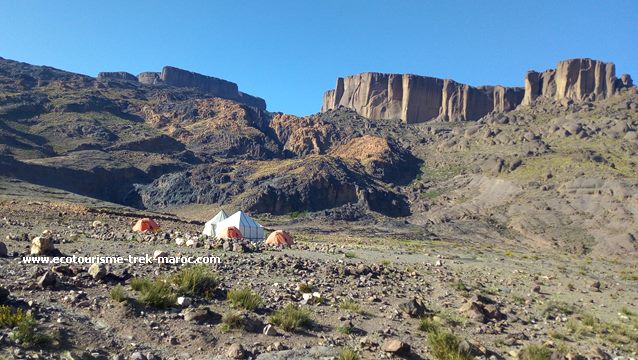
point(290, 52)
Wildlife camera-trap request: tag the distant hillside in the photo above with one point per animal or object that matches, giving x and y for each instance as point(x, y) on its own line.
point(549, 165)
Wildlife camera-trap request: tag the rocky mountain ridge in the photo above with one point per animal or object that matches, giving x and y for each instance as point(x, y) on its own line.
point(416, 99)
point(187, 79)
point(178, 149)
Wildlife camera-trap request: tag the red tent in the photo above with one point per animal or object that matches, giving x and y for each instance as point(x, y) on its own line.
point(146, 224)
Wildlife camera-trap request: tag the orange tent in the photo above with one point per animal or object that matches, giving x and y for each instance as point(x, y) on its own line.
point(279, 237)
point(230, 232)
point(146, 224)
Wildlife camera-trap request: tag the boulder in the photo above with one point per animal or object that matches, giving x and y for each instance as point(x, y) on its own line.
point(235, 351)
point(49, 279)
point(626, 81)
point(42, 245)
point(4, 295)
point(97, 271)
point(414, 308)
point(201, 315)
point(396, 347)
point(159, 254)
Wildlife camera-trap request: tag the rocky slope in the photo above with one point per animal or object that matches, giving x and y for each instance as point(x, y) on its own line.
point(555, 172)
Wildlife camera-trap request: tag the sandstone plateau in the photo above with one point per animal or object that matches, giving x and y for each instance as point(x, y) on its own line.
point(415, 99)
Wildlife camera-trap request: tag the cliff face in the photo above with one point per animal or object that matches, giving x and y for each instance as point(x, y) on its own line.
point(414, 98)
point(181, 78)
point(575, 79)
point(118, 76)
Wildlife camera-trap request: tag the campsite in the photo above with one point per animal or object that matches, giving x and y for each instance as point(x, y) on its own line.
point(342, 288)
point(318, 180)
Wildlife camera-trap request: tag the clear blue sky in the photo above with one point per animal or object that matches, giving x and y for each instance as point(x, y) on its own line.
point(290, 52)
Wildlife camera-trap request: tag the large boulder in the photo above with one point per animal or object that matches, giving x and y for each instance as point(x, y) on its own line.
point(42, 245)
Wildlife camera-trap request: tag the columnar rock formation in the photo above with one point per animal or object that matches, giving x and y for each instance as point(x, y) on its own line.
point(575, 79)
point(414, 98)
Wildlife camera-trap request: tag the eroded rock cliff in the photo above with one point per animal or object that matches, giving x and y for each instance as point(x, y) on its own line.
point(575, 79)
point(210, 85)
point(414, 98)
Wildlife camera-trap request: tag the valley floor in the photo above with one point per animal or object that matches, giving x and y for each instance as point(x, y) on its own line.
point(497, 302)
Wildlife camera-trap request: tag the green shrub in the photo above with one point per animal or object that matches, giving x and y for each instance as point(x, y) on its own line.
point(291, 318)
point(24, 327)
point(625, 311)
point(195, 281)
point(428, 324)
point(28, 335)
point(244, 298)
point(118, 293)
point(154, 293)
point(350, 255)
point(535, 352)
point(350, 305)
point(10, 318)
point(445, 346)
point(344, 329)
point(348, 353)
point(557, 308)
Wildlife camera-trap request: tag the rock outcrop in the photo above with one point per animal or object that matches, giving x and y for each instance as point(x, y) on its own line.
point(414, 98)
point(149, 78)
point(117, 76)
point(575, 79)
point(210, 85)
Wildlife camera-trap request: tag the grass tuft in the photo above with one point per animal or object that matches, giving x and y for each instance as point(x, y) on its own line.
point(156, 293)
point(445, 346)
point(350, 305)
point(195, 281)
point(25, 327)
point(428, 324)
point(244, 298)
point(118, 293)
point(344, 329)
point(535, 352)
point(348, 353)
point(292, 318)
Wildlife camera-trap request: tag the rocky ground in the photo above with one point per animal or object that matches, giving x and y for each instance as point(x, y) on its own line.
point(381, 296)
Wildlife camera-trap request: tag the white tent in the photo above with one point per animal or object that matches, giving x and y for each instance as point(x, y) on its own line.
point(248, 227)
point(209, 227)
